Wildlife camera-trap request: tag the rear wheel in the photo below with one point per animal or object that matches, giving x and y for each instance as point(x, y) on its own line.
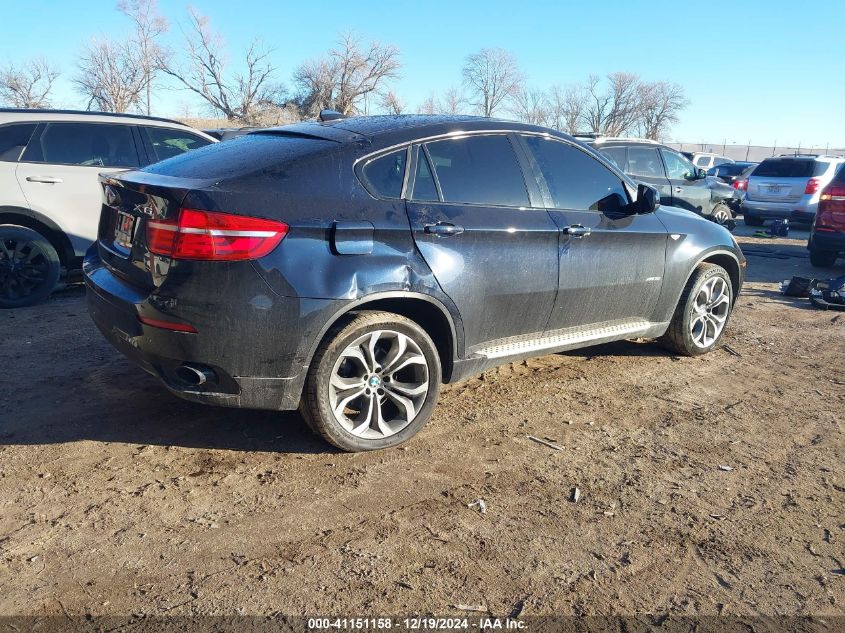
point(29, 266)
point(373, 382)
point(752, 220)
point(702, 312)
point(822, 259)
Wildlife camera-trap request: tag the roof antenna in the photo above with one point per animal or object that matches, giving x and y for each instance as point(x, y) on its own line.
point(330, 115)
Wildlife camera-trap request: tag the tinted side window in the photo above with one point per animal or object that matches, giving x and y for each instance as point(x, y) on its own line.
point(424, 187)
point(386, 174)
point(677, 167)
point(169, 143)
point(86, 144)
point(575, 179)
point(479, 170)
point(616, 155)
point(13, 140)
point(644, 161)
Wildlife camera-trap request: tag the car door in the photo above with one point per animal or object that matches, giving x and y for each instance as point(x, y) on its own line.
point(688, 191)
point(611, 261)
point(644, 165)
point(59, 172)
point(492, 252)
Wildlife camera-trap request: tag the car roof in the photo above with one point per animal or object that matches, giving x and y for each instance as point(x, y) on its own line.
point(401, 128)
point(13, 115)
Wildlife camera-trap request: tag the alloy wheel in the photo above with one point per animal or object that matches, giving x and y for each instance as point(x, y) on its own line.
point(24, 268)
point(710, 311)
point(379, 384)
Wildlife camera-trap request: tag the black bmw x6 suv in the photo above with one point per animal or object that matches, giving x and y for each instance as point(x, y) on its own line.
point(349, 267)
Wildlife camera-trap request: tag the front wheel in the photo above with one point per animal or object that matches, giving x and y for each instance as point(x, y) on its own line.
point(373, 382)
point(29, 267)
point(702, 312)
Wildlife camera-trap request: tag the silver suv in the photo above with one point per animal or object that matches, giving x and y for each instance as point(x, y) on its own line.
point(788, 187)
point(50, 196)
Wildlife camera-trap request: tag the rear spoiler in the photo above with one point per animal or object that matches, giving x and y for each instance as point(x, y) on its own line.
point(314, 131)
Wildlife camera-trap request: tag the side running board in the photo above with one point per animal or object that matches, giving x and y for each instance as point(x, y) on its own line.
point(565, 338)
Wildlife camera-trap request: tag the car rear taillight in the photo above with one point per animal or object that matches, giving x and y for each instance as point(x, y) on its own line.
point(214, 236)
point(740, 185)
point(831, 211)
point(813, 185)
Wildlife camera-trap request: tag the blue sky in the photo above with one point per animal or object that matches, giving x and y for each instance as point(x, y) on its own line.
point(760, 70)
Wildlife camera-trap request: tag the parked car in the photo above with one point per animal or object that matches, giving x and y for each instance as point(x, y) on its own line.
point(707, 160)
point(788, 187)
point(228, 133)
point(679, 182)
point(729, 172)
point(354, 265)
point(827, 235)
point(740, 185)
point(49, 193)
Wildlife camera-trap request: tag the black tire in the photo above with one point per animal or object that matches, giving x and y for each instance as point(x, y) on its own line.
point(678, 338)
point(316, 407)
point(752, 220)
point(822, 259)
point(29, 267)
point(721, 214)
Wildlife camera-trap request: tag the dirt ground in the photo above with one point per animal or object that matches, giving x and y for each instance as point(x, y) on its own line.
point(708, 486)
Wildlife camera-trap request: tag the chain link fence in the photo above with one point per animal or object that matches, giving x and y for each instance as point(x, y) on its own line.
point(753, 153)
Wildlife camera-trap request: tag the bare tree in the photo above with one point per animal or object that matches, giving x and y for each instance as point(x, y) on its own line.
point(392, 103)
point(492, 75)
point(238, 97)
point(613, 110)
point(566, 108)
point(150, 25)
point(111, 76)
point(349, 74)
point(28, 86)
point(530, 105)
point(660, 104)
point(453, 102)
point(430, 105)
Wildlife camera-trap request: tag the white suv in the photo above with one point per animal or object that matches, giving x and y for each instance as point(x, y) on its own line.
point(788, 187)
point(706, 160)
point(50, 197)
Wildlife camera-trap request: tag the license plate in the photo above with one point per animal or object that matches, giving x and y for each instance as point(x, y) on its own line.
point(124, 229)
point(774, 188)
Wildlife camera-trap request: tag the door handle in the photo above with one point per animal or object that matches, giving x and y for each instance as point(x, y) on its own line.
point(679, 189)
point(577, 230)
point(48, 180)
point(443, 229)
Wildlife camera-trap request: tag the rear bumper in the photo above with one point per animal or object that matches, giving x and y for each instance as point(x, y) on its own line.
point(799, 211)
point(832, 241)
point(252, 364)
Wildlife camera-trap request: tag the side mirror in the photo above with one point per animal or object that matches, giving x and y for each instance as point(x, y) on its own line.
point(648, 199)
point(700, 174)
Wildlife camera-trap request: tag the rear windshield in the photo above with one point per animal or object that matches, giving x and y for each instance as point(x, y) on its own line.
point(726, 169)
point(839, 178)
point(790, 168)
point(245, 155)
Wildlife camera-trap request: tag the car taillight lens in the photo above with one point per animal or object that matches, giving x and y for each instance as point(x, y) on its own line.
point(214, 236)
point(831, 211)
point(740, 185)
point(813, 185)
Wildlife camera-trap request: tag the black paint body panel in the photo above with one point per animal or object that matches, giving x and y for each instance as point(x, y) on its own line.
point(511, 272)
